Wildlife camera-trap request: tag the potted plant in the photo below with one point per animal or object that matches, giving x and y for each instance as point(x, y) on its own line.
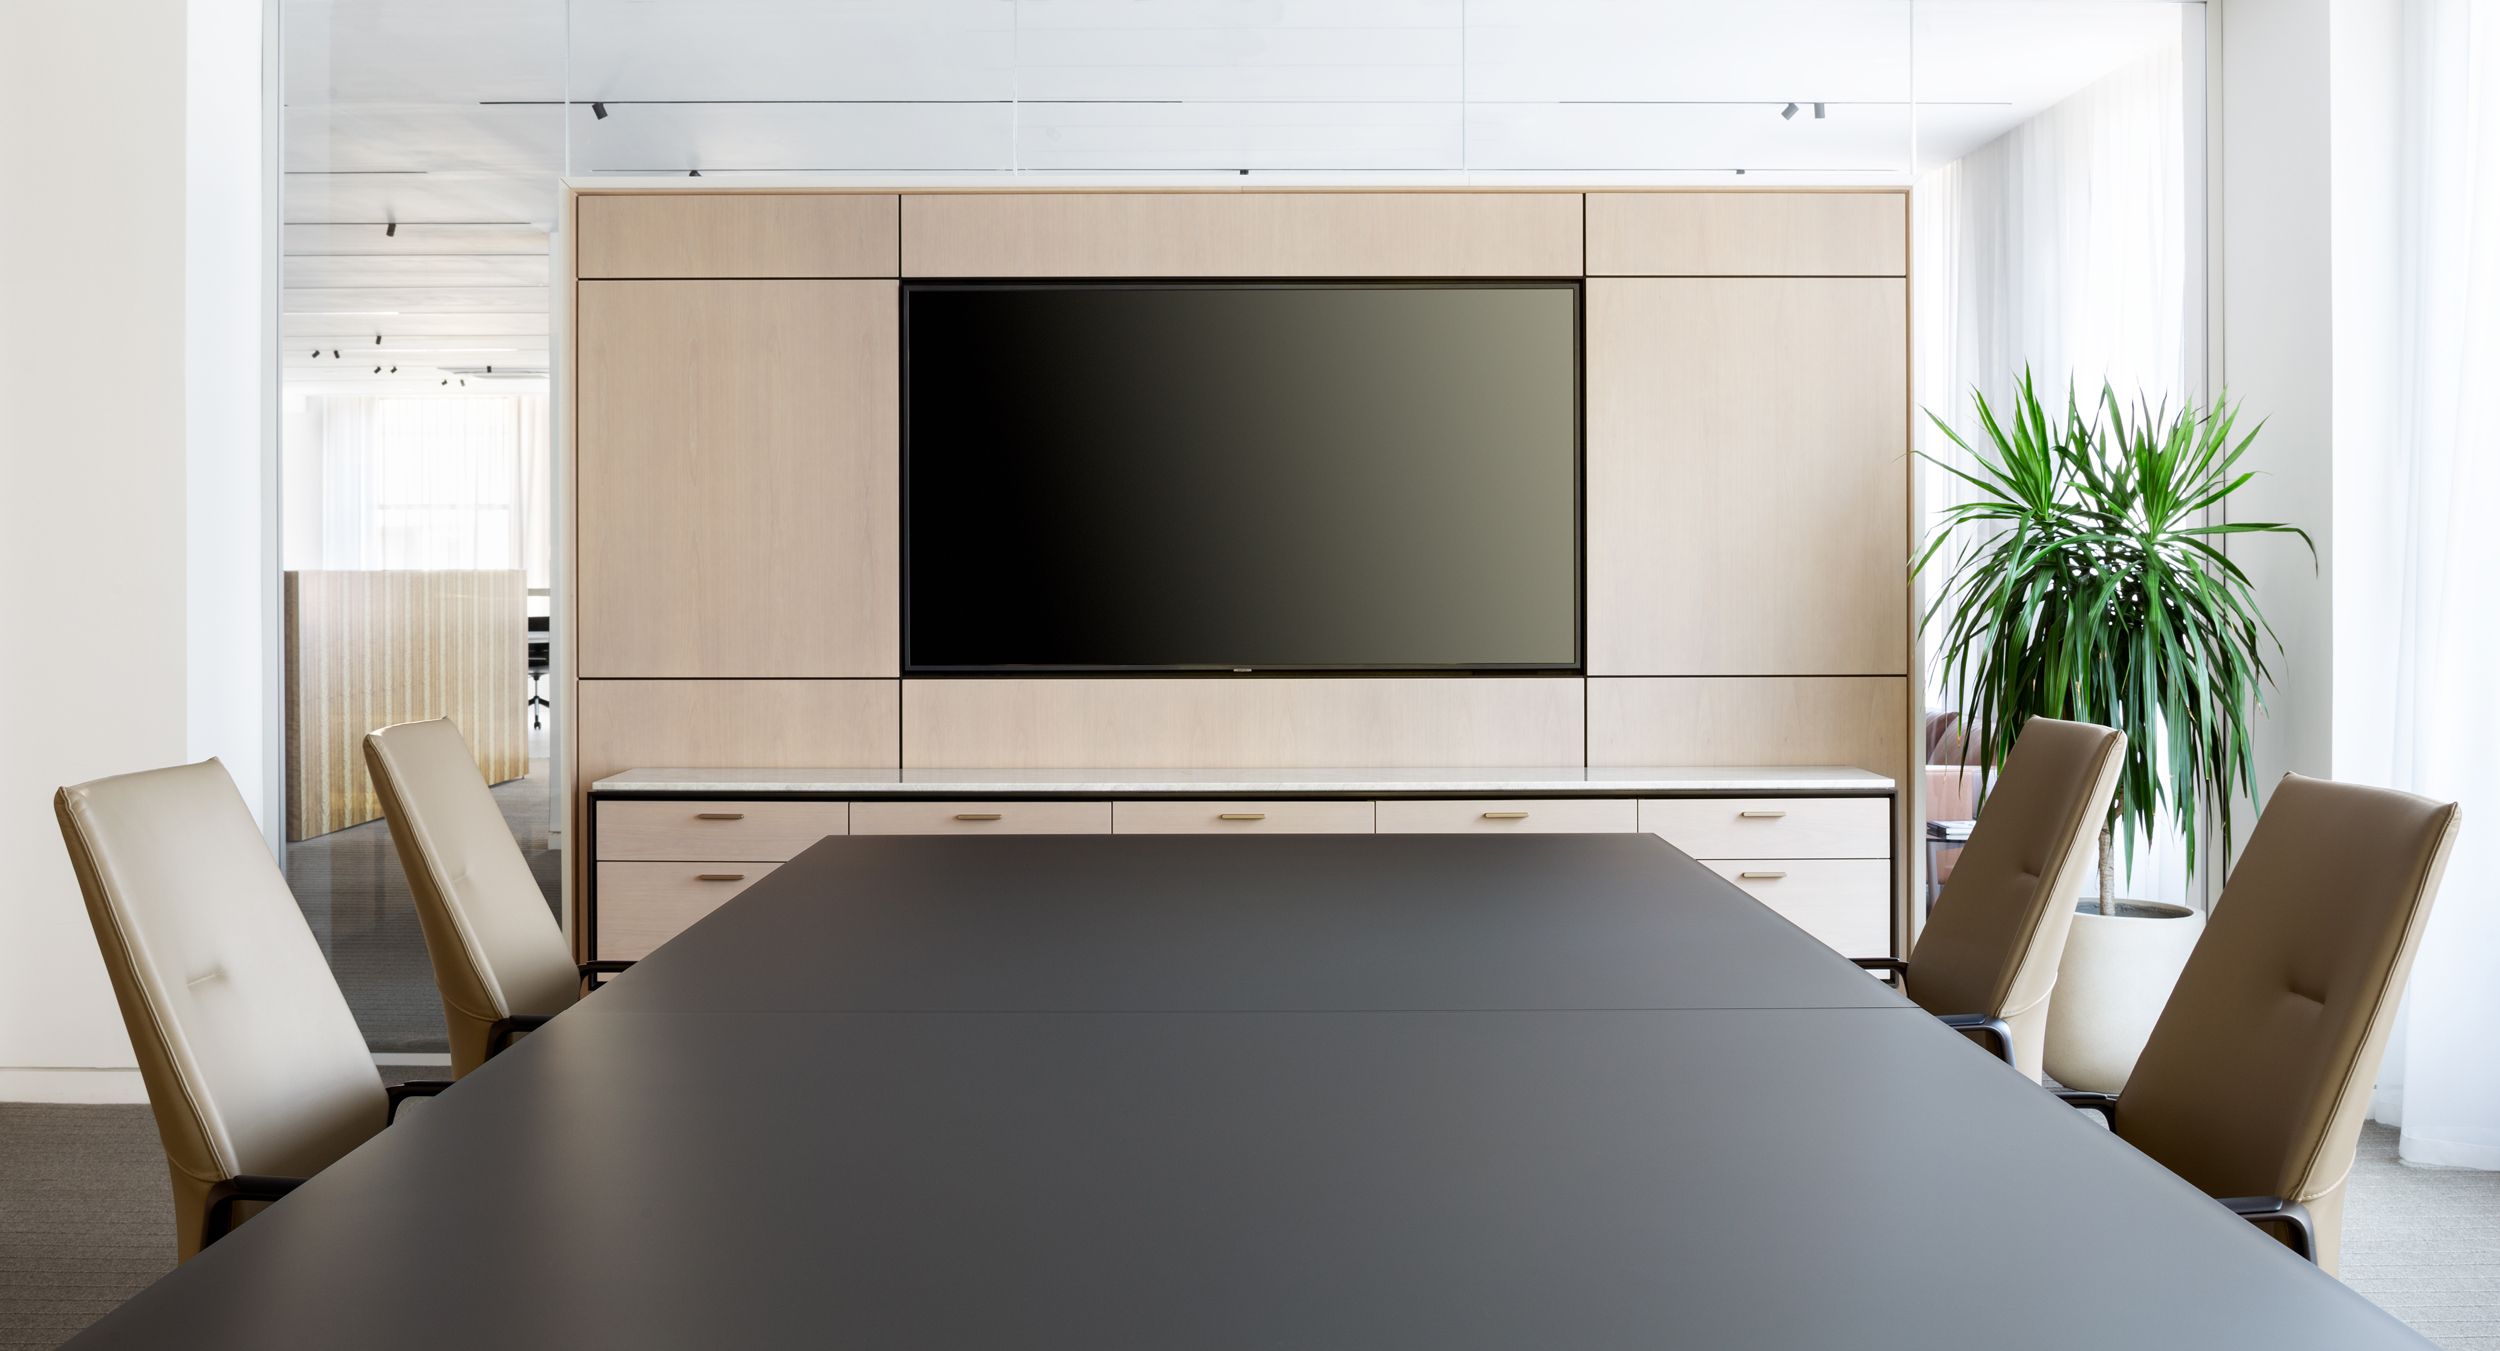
point(2086, 582)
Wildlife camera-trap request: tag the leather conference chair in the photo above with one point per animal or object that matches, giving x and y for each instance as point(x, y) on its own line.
point(1987, 960)
point(254, 1067)
point(501, 963)
point(2259, 1070)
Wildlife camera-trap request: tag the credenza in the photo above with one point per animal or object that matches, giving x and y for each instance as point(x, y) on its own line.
point(1811, 842)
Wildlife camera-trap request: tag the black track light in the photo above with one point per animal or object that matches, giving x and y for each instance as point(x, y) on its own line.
point(694, 173)
point(464, 382)
point(1818, 112)
point(316, 354)
point(1788, 112)
point(446, 380)
point(334, 354)
point(391, 231)
point(600, 111)
point(377, 370)
point(394, 370)
point(490, 370)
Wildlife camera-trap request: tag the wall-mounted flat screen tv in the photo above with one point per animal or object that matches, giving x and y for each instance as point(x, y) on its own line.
point(1241, 476)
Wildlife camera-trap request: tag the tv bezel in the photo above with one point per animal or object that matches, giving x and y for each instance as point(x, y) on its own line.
point(1576, 286)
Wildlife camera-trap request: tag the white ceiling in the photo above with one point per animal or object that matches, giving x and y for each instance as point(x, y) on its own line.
point(450, 117)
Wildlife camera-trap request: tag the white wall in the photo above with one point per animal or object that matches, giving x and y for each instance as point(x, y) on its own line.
point(2275, 348)
point(98, 398)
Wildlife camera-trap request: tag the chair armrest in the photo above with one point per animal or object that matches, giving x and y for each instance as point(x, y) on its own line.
point(219, 1221)
point(2104, 1103)
point(1989, 1031)
point(414, 1088)
point(2300, 1233)
point(501, 1033)
point(1893, 968)
point(592, 971)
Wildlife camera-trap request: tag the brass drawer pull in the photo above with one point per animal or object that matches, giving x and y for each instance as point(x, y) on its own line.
point(978, 816)
point(720, 877)
point(1241, 816)
point(1760, 816)
point(720, 816)
point(1505, 816)
point(1766, 875)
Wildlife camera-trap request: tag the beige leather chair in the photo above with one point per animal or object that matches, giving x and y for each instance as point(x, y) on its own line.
point(1987, 960)
point(2259, 1070)
point(500, 961)
point(255, 1068)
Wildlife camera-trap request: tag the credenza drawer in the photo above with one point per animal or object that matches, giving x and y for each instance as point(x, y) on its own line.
point(980, 818)
point(1772, 827)
point(642, 905)
point(1845, 902)
point(1410, 816)
point(1271, 818)
point(769, 832)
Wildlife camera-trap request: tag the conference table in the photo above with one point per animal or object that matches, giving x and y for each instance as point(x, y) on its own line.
point(1366, 1091)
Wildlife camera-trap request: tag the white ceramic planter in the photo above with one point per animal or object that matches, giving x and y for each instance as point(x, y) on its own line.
point(2116, 975)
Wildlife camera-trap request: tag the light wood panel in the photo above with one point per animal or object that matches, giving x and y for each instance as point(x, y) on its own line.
point(1231, 234)
point(1747, 477)
point(753, 831)
point(1769, 720)
point(717, 234)
point(642, 905)
point(1749, 234)
point(1801, 827)
point(1241, 818)
point(364, 650)
point(981, 818)
point(737, 468)
point(763, 724)
point(1156, 723)
point(1526, 816)
point(1844, 902)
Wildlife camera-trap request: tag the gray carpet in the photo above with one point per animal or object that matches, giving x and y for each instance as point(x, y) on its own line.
point(84, 1222)
point(356, 899)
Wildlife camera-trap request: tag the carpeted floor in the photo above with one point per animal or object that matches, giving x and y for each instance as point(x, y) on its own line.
point(356, 899)
point(84, 1223)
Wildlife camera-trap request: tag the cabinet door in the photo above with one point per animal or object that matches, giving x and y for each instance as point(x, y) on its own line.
point(1748, 485)
point(737, 444)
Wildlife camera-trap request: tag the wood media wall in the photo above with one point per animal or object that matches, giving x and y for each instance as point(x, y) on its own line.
point(734, 465)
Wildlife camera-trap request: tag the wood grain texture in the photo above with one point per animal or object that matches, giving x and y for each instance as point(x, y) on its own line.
point(981, 818)
point(1844, 902)
point(1260, 722)
point(725, 234)
point(767, 724)
point(1802, 827)
point(753, 831)
point(737, 465)
point(642, 905)
point(1748, 477)
point(1766, 720)
point(1230, 234)
point(1524, 816)
point(364, 650)
point(1748, 234)
point(1241, 818)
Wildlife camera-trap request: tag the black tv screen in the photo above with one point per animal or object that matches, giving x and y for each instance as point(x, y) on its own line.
point(1185, 476)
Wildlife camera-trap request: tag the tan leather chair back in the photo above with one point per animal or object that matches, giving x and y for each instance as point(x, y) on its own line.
point(253, 1064)
point(496, 949)
point(1994, 940)
point(2257, 1075)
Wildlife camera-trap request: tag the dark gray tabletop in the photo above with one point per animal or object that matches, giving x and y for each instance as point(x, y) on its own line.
point(1571, 1176)
point(1244, 922)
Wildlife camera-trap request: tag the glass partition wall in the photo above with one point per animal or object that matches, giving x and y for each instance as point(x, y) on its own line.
point(426, 148)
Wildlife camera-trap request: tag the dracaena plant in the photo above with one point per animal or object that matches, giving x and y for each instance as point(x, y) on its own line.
point(2085, 580)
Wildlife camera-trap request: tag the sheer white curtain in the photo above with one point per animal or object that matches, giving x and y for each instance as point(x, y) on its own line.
point(429, 482)
point(2072, 244)
point(2429, 715)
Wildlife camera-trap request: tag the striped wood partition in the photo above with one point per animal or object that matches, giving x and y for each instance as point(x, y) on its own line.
point(368, 649)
